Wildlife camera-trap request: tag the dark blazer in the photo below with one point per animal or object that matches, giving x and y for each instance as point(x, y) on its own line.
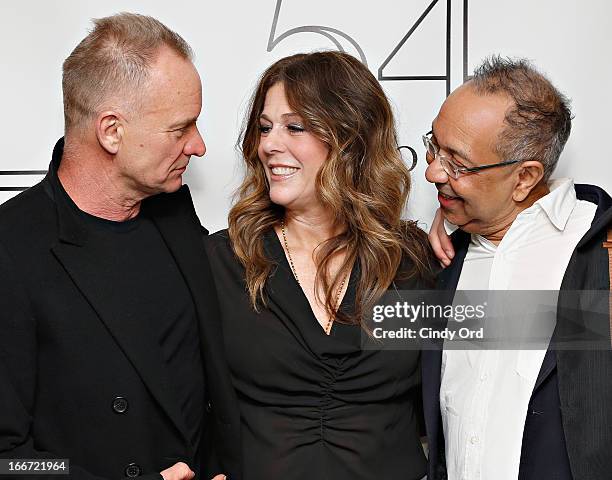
point(79, 379)
point(568, 429)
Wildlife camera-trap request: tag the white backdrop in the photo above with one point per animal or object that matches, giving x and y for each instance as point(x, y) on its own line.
point(235, 41)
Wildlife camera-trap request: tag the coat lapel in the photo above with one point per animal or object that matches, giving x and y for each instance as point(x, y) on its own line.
point(585, 388)
point(175, 217)
point(139, 344)
point(580, 270)
point(448, 279)
point(431, 360)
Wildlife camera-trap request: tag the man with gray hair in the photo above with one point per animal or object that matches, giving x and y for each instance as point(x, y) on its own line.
point(110, 345)
point(507, 414)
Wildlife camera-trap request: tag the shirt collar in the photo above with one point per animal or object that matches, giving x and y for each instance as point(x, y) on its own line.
point(449, 227)
point(559, 203)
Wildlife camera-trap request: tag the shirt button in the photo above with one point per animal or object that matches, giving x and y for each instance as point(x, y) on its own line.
point(483, 377)
point(474, 440)
point(132, 470)
point(120, 405)
point(208, 406)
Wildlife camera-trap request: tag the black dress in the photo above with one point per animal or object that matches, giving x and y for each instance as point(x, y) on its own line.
point(313, 406)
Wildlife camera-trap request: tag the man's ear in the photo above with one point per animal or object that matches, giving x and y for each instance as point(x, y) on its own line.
point(109, 130)
point(530, 173)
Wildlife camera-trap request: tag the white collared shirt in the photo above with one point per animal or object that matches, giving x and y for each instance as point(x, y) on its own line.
point(484, 394)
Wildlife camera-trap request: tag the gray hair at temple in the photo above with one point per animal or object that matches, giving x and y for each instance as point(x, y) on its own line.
point(112, 64)
point(539, 124)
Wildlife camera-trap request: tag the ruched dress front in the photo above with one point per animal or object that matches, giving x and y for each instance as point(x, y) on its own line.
point(313, 406)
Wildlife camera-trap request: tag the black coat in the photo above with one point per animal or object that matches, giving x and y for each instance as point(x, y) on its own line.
point(568, 429)
point(67, 352)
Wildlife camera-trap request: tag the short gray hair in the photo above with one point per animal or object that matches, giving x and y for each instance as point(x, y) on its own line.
point(114, 58)
point(539, 124)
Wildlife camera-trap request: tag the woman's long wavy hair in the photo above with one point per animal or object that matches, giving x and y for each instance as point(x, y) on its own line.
point(363, 183)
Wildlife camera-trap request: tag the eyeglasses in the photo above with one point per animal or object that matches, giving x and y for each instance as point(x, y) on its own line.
point(450, 167)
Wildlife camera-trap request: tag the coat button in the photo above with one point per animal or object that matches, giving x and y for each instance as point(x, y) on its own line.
point(132, 470)
point(208, 406)
point(120, 405)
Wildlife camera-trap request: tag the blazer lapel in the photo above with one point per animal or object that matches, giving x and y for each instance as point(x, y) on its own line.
point(177, 221)
point(566, 322)
point(431, 356)
point(138, 342)
point(448, 279)
point(84, 266)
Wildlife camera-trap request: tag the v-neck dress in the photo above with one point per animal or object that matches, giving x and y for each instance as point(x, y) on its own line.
point(313, 405)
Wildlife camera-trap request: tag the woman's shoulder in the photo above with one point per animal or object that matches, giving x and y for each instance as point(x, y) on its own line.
point(219, 237)
point(218, 243)
point(225, 266)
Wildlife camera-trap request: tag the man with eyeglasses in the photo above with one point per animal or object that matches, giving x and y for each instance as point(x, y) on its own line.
point(537, 414)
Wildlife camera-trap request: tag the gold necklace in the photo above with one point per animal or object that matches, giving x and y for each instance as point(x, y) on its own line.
point(326, 328)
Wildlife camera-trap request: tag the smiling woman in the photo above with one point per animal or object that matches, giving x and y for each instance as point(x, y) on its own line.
point(314, 239)
point(325, 114)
